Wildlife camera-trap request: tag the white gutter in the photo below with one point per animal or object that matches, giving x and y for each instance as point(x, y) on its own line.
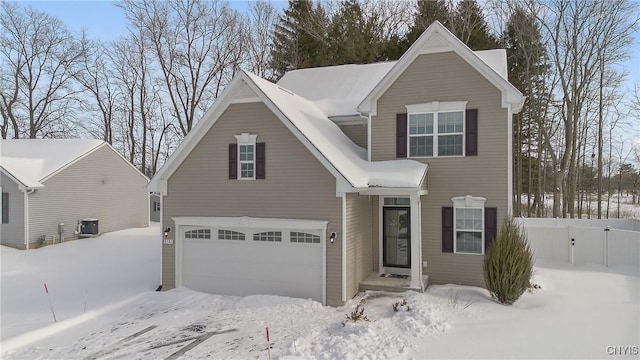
point(26, 217)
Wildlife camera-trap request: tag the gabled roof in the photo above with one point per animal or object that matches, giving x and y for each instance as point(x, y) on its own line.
point(321, 136)
point(30, 162)
point(436, 39)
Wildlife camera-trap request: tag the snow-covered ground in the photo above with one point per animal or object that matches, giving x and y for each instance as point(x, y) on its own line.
point(579, 312)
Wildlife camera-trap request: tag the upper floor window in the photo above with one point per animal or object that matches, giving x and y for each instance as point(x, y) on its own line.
point(246, 158)
point(436, 129)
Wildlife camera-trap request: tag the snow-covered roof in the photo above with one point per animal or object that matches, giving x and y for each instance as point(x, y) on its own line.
point(31, 161)
point(496, 59)
point(336, 90)
point(348, 158)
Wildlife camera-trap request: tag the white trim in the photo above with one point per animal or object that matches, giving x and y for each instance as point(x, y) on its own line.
point(436, 39)
point(416, 243)
point(369, 137)
point(26, 218)
point(251, 222)
point(323, 243)
point(437, 106)
point(246, 100)
point(355, 119)
point(468, 202)
point(162, 227)
point(344, 247)
point(391, 192)
point(246, 139)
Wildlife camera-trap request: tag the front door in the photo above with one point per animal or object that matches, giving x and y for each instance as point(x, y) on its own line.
point(396, 240)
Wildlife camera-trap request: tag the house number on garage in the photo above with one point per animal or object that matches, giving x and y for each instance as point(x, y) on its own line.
point(167, 241)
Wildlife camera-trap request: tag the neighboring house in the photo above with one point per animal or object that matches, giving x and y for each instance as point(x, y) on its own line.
point(49, 182)
point(315, 185)
point(154, 207)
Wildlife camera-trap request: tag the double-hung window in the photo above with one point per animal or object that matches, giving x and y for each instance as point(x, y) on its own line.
point(246, 156)
point(469, 224)
point(436, 129)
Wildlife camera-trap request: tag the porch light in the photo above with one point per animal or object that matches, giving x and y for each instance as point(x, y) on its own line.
point(167, 231)
point(332, 237)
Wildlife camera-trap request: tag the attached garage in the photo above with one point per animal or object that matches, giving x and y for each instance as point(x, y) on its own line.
point(247, 256)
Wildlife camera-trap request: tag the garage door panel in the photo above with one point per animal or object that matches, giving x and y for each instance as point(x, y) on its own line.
point(245, 267)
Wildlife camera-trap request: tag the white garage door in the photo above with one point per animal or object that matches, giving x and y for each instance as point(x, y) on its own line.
point(245, 260)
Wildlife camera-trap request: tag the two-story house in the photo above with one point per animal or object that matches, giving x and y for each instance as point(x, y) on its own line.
point(340, 177)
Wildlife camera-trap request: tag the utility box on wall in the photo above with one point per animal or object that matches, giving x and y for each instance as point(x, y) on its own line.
point(89, 227)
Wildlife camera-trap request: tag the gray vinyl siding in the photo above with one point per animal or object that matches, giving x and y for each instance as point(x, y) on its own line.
point(101, 185)
point(447, 77)
point(360, 241)
point(357, 133)
point(12, 233)
point(297, 186)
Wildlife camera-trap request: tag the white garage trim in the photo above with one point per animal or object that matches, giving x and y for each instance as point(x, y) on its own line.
point(252, 225)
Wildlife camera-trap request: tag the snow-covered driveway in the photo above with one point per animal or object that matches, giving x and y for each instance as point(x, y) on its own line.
point(580, 312)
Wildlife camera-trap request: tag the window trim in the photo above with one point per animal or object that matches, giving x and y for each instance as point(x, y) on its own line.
point(468, 202)
point(245, 139)
point(435, 108)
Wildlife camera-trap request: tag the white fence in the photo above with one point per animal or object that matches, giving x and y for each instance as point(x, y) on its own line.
point(581, 241)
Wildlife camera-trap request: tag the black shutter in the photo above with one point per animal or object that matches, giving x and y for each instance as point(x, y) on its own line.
point(260, 160)
point(490, 226)
point(447, 229)
point(471, 132)
point(401, 135)
point(233, 161)
point(5, 208)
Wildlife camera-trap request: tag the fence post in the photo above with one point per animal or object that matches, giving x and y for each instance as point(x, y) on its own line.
point(572, 243)
point(606, 245)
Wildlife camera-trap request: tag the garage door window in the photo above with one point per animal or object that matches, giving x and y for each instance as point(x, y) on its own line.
point(198, 234)
point(274, 236)
point(230, 235)
point(300, 237)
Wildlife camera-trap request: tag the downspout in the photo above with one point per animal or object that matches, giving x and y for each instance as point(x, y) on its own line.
point(344, 247)
point(510, 161)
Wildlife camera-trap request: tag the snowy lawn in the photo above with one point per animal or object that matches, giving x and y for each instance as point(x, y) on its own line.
point(577, 313)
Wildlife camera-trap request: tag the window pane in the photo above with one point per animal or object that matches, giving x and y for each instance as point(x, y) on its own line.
point(246, 152)
point(421, 146)
point(450, 122)
point(449, 145)
point(420, 124)
point(468, 219)
point(469, 242)
point(396, 201)
point(246, 170)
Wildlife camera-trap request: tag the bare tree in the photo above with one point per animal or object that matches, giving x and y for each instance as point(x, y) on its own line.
point(258, 39)
point(39, 58)
point(97, 79)
point(581, 34)
point(197, 46)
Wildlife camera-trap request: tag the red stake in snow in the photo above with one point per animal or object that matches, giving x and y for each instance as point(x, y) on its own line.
point(268, 344)
point(50, 306)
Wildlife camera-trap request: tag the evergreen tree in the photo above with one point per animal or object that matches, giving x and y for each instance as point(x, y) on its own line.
point(527, 61)
point(471, 27)
point(299, 38)
point(353, 37)
point(428, 11)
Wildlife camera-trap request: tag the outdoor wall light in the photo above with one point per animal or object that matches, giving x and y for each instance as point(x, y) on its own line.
point(332, 237)
point(167, 231)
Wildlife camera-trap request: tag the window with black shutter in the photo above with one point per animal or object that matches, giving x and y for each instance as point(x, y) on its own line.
point(401, 135)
